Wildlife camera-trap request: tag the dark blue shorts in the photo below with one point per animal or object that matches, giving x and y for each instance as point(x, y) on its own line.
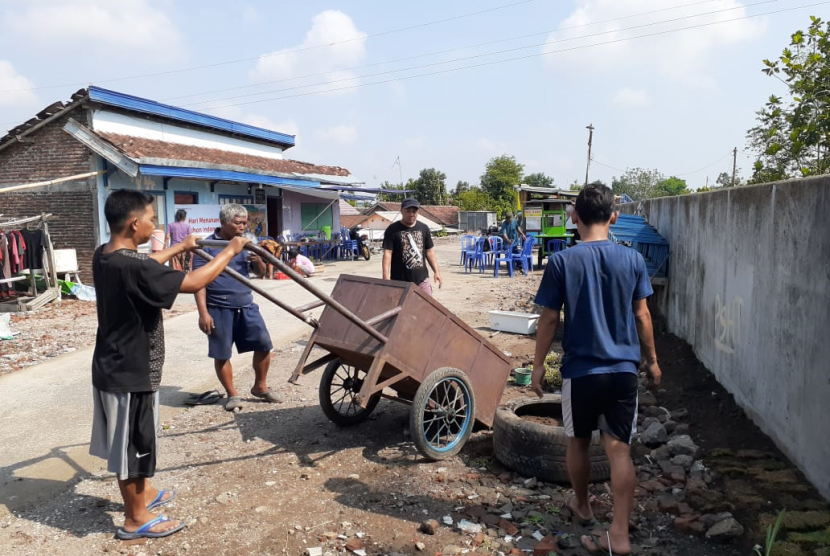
point(243, 327)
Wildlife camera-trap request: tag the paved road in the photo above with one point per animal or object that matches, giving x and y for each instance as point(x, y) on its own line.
point(45, 410)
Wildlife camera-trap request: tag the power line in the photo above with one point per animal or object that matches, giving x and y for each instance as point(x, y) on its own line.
point(281, 52)
point(483, 64)
point(477, 56)
point(440, 52)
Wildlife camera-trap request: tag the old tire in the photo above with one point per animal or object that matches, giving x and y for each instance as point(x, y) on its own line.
point(339, 386)
point(443, 414)
point(537, 450)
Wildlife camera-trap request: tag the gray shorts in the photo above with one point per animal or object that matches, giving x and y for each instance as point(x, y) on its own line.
point(124, 432)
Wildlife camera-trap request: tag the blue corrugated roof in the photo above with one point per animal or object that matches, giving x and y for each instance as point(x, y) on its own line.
point(137, 104)
point(209, 174)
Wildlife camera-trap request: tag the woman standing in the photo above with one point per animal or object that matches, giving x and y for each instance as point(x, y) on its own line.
point(176, 232)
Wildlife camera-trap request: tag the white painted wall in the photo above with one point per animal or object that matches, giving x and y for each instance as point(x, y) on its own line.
point(121, 124)
point(749, 289)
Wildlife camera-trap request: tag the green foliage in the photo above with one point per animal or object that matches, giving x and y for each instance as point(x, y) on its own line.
point(462, 186)
point(637, 183)
point(772, 532)
point(539, 179)
point(430, 187)
point(500, 175)
point(474, 199)
point(725, 179)
point(670, 186)
point(391, 196)
point(792, 138)
point(576, 186)
point(442, 232)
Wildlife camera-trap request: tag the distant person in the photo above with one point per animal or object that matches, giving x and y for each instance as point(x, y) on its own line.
point(511, 232)
point(407, 248)
point(603, 287)
point(300, 263)
point(176, 232)
point(132, 288)
point(229, 316)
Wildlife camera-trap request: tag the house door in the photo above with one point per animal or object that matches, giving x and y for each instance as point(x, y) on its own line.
point(274, 207)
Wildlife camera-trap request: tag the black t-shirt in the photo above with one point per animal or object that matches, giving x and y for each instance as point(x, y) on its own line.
point(408, 246)
point(131, 291)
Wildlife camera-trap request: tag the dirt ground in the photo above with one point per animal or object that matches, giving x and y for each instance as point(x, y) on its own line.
point(283, 479)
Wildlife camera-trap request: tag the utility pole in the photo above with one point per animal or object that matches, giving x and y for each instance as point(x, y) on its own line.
point(734, 164)
point(590, 128)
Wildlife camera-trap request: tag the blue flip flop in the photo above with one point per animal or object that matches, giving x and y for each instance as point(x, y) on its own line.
point(158, 500)
point(144, 531)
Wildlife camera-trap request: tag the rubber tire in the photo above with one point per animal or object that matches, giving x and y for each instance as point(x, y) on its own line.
point(537, 450)
point(364, 250)
point(328, 407)
point(416, 416)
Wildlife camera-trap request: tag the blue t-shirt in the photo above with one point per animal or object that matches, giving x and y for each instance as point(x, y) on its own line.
point(225, 291)
point(597, 281)
point(511, 229)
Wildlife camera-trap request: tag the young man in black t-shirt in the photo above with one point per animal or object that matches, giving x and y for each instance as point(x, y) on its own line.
point(132, 288)
point(407, 248)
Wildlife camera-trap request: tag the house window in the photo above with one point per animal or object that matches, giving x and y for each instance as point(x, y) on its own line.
point(315, 215)
point(238, 199)
point(160, 207)
point(185, 197)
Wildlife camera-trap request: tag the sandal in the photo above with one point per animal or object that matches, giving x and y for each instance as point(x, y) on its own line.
point(160, 500)
point(597, 549)
point(269, 396)
point(234, 403)
point(144, 530)
point(206, 398)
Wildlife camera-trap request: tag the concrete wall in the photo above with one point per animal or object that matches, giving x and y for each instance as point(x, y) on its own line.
point(749, 289)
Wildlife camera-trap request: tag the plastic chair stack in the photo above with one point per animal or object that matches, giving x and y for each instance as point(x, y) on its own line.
point(477, 257)
point(468, 243)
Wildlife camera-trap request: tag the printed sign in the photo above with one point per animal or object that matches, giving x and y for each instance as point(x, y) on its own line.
point(204, 219)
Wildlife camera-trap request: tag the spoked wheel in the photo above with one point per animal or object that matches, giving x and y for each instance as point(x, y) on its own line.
point(339, 387)
point(364, 250)
point(443, 412)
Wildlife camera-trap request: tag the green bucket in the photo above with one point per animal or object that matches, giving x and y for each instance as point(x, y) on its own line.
point(522, 376)
point(326, 230)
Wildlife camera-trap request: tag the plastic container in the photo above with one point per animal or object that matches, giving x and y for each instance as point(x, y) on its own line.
point(326, 230)
point(281, 276)
point(515, 322)
point(522, 376)
point(157, 241)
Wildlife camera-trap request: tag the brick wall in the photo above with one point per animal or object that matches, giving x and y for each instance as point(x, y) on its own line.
point(53, 154)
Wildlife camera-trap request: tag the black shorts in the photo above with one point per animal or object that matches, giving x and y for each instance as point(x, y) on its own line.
point(607, 402)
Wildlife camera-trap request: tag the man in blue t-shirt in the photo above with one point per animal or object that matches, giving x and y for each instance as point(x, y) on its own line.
point(608, 334)
point(228, 314)
point(510, 232)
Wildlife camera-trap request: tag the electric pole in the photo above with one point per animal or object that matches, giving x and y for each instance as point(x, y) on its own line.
point(590, 128)
point(734, 164)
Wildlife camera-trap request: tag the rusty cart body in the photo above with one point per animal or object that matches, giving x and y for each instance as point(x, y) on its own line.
point(389, 339)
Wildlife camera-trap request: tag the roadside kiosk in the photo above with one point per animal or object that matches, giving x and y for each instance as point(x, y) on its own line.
point(545, 218)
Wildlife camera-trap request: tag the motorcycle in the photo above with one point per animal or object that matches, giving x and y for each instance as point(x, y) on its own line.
point(362, 241)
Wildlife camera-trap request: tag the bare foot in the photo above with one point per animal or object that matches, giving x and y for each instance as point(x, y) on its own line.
point(583, 513)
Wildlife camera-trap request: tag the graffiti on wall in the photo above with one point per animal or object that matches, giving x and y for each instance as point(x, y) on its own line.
point(728, 323)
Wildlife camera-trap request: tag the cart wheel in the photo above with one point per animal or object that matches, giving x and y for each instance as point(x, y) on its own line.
point(339, 387)
point(364, 250)
point(443, 412)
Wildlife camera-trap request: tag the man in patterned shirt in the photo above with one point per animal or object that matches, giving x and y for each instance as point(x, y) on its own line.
point(407, 248)
point(132, 288)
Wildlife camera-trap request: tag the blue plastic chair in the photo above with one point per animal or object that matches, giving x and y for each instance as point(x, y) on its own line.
point(496, 247)
point(525, 258)
point(468, 243)
point(476, 257)
point(505, 257)
point(533, 235)
point(555, 246)
point(348, 247)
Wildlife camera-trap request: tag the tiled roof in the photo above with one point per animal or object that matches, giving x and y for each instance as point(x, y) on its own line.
point(351, 220)
point(138, 147)
point(348, 210)
point(443, 214)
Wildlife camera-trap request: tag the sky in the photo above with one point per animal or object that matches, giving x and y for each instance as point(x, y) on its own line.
point(386, 89)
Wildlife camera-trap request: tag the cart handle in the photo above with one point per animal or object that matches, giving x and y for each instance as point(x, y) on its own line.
point(301, 280)
point(308, 319)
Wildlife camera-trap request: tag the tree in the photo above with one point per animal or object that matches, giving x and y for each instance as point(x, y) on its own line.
point(637, 183)
point(792, 137)
point(575, 186)
point(725, 179)
point(430, 187)
point(461, 187)
point(391, 196)
point(500, 175)
point(474, 199)
point(539, 179)
point(670, 186)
